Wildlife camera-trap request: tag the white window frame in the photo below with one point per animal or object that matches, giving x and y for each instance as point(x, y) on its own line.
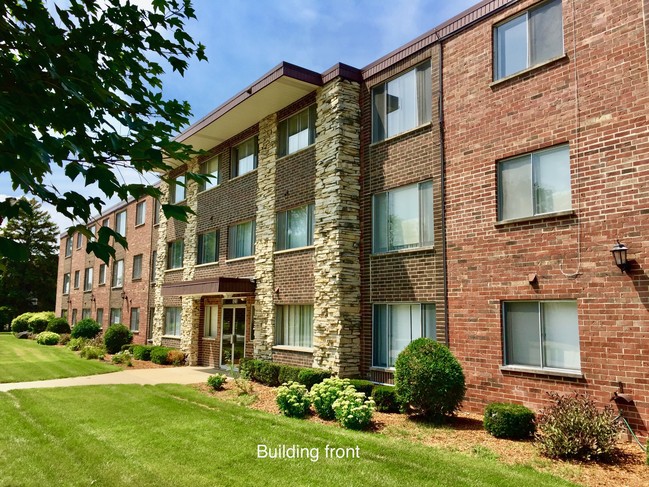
point(295, 133)
point(117, 279)
point(211, 321)
point(234, 251)
point(140, 213)
point(174, 250)
point(177, 189)
point(201, 248)
point(236, 169)
point(289, 333)
point(120, 223)
point(210, 167)
point(87, 279)
point(173, 321)
point(285, 224)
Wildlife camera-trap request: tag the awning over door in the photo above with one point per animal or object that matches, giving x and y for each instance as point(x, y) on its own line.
point(202, 287)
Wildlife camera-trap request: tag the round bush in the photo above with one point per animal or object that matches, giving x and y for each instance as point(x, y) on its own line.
point(385, 398)
point(142, 352)
point(324, 394)
point(58, 325)
point(116, 335)
point(38, 321)
point(86, 328)
point(159, 355)
point(216, 381)
point(352, 409)
point(175, 357)
point(513, 421)
point(429, 379)
point(293, 400)
point(48, 338)
point(21, 323)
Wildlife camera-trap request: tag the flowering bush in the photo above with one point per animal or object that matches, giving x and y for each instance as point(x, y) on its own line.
point(293, 400)
point(216, 381)
point(324, 394)
point(48, 338)
point(123, 357)
point(353, 410)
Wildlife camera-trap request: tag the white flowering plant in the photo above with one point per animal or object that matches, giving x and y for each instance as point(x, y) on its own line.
point(324, 394)
point(353, 410)
point(293, 399)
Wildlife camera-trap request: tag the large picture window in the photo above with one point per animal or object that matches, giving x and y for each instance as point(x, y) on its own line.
point(534, 184)
point(294, 325)
point(297, 132)
point(172, 321)
point(244, 158)
point(175, 254)
point(295, 228)
point(542, 334)
point(208, 247)
point(528, 39)
point(241, 240)
point(403, 218)
point(395, 326)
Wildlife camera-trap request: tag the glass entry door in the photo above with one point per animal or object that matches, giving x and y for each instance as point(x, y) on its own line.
point(233, 334)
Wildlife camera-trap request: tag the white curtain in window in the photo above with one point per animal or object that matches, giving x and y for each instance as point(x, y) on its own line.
point(211, 318)
point(298, 228)
point(298, 131)
point(426, 229)
point(515, 188)
point(546, 32)
point(401, 103)
point(523, 334)
point(552, 180)
point(400, 330)
point(561, 335)
point(511, 47)
point(404, 217)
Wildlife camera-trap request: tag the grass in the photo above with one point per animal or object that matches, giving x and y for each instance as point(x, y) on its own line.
point(25, 360)
point(172, 435)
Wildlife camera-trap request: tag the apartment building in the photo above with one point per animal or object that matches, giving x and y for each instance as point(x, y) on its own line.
point(468, 187)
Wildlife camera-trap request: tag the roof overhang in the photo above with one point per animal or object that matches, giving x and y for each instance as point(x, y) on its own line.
point(221, 286)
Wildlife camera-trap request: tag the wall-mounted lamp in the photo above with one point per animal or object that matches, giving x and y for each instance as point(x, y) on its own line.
point(619, 254)
point(124, 295)
point(93, 299)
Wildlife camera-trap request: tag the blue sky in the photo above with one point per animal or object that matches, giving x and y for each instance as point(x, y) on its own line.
point(246, 38)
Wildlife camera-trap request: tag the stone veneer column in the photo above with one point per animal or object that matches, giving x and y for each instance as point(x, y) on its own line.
point(265, 239)
point(160, 267)
point(336, 311)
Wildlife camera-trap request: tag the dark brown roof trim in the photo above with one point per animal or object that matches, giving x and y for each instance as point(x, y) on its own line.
point(451, 27)
point(344, 71)
point(220, 285)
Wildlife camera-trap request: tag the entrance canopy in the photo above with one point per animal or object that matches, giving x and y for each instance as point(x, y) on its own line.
point(217, 286)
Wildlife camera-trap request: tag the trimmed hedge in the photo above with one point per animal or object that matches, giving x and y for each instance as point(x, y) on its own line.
point(362, 385)
point(86, 328)
point(288, 374)
point(48, 338)
point(159, 355)
point(58, 325)
point(117, 335)
point(272, 374)
point(385, 398)
point(512, 421)
point(309, 377)
point(21, 323)
point(38, 322)
point(142, 352)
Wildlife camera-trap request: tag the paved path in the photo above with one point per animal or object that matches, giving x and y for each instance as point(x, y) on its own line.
point(167, 375)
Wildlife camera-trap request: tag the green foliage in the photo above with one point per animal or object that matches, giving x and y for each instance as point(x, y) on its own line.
point(385, 398)
point(86, 328)
point(288, 373)
point(58, 325)
point(6, 315)
point(573, 428)
point(268, 373)
point(48, 338)
point(309, 377)
point(64, 338)
point(115, 336)
point(123, 357)
point(21, 322)
point(38, 322)
point(353, 410)
point(76, 344)
point(513, 421)
point(324, 394)
point(159, 355)
point(429, 379)
point(272, 374)
point(142, 352)
point(216, 381)
point(361, 385)
point(293, 400)
point(91, 352)
point(175, 357)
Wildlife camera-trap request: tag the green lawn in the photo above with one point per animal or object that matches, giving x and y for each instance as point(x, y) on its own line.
point(25, 360)
point(172, 435)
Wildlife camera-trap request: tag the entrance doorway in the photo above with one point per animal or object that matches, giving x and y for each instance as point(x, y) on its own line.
point(233, 334)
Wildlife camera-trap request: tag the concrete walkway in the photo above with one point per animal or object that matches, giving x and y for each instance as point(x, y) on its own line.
point(167, 375)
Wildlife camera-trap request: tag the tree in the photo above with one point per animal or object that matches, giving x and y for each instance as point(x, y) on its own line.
point(30, 285)
point(81, 89)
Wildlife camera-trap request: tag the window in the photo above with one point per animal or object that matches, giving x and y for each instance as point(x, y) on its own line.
point(140, 213)
point(118, 274)
point(172, 321)
point(100, 316)
point(137, 266)
point(295, 228)
point(79, 240)
point(135, 319)
point(154, 264)
point(106, 223)
point(211, 321)
point(76, 279)
point(528, 39)
point(177, 189)
point(102, 274)
point(175, 254)
point(210, 167)
point(394, 326)
point(402, 103)
point(64, 313)
point(244, 158)
point(85, 313)
point(92, 231)
point(87, 279)
point(68, 247)
point(402, 218)
point(120, 223)
point(241, 240)
point(294, 325)
point(156, 212)
point(66, 283)
point(115, 315)
point(74, 317)
point(208, 247)
point(252, 322)
point(149, 331)
point(297, 132)
point(543, 334)
point(534, 184)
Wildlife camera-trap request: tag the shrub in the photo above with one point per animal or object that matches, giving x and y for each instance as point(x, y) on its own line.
point(159, 355)
point(268, 373)
point(309, 377)
point(364, 386)
point(58, 325)
point(293, 400)
point(573, 428)
point(385, 399)
point(513, 421)
point(175, 357)
point(77, 344)
point(86, 328)
point(21, 322)
point(91, 352)
point(352, 409)
point(248, 368)
point(48, 338)
point(288, 374)
point(142, 352)
point(324, 394)
point(123, 357)
point(216, 381)
point(429, 379)
point(38, 322)
point(6, 315)
point(116, 335)
point(64, 339)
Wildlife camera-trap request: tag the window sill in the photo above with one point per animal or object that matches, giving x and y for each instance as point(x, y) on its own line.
point(210, 189)
point(534, 218)
point(174, 337)
point(101, 284)
point(403, 251)
point(136, 279)
point(280, 158)
point(206, 264)
point(117, 287)
point(288, 348)
point(525, 71)
point(383, 369)
point(242, 175)
point(68, 256)
point(174, 269)
point(401, 134)
point(209, 339)
point(135, 332)
point(296, 249)
point(239, 259)
point(139, 225)
point(572, 374)
point(85, 291)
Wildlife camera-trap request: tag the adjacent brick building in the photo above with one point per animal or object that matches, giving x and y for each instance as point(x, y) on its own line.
point(468, 187)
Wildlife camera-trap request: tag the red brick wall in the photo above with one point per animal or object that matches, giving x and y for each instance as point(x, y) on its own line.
point(595, 99)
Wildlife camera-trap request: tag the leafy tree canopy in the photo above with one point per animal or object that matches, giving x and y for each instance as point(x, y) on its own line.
point(81, 89)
